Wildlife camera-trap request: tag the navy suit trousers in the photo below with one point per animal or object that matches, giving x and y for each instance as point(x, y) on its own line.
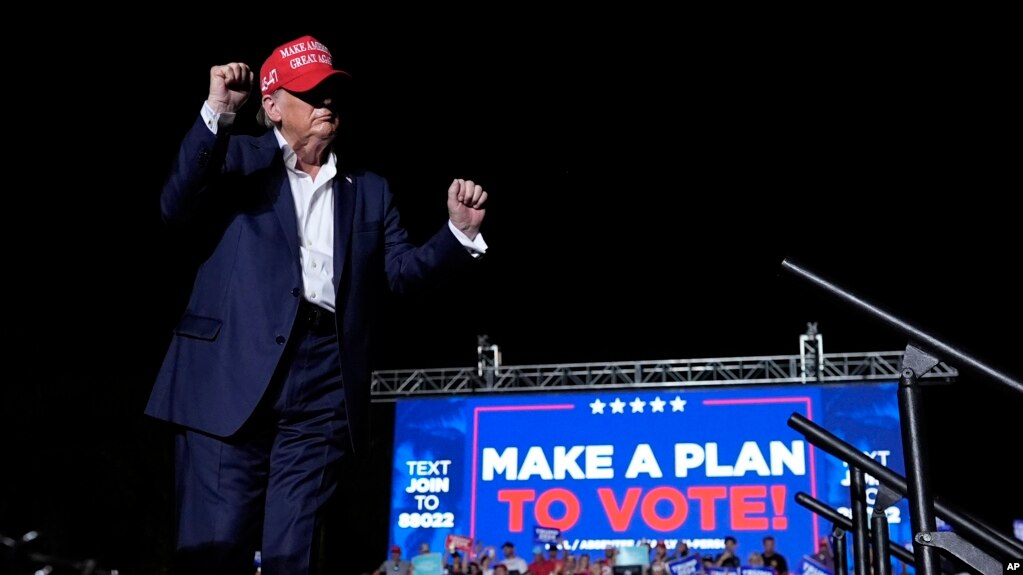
point(266, 487)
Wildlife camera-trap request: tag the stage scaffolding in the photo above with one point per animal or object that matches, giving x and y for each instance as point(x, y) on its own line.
point(804, 368)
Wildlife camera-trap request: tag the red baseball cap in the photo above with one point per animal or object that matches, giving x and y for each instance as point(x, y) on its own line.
point(395, 549)
point(298, 66)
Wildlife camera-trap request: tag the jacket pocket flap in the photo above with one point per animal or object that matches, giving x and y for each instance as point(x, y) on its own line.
point(198, 327)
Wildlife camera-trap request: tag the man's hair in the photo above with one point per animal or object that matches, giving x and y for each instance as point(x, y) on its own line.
point(768, 538)
point(730, 538)
point(261, 118)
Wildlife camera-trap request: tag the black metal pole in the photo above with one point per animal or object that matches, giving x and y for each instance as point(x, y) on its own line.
point(838, 520)
point(858, 501)
point(943, 350)
point(965, 525)
point(879, 536)
point(838, 551)
point(921, 504)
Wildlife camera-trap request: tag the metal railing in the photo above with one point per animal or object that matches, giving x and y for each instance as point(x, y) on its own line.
point(972, 542)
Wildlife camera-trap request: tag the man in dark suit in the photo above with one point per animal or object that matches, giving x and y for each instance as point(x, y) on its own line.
point(267, 375)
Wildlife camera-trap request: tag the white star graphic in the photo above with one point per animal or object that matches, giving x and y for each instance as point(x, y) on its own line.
point(597, 407)
point(637, 405)
point(677, 404)
point(617, 406)
point(657, 405)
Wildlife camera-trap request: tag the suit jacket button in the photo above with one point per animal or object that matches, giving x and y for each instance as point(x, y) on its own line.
point(280, 340)
point(295, 291)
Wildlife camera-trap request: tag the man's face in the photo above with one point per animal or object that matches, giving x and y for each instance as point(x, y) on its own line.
point(311, 115)
point(768, 545)
point(509, 551)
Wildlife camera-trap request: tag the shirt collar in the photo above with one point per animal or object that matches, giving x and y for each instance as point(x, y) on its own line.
point(290, 158)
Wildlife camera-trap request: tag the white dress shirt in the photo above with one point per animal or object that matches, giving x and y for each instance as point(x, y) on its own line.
point(314, 211)
point(515, 563)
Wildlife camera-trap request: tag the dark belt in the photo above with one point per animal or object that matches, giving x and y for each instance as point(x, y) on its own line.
point(315, 318)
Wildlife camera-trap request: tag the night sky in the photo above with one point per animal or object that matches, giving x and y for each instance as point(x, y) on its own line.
point(647, 177)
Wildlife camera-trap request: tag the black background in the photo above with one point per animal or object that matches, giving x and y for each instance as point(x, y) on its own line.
point(648, 173)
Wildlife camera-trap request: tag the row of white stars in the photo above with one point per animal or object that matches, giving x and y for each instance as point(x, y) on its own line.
point(637, 405)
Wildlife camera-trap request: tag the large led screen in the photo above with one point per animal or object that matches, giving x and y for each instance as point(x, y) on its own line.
point(619, 466)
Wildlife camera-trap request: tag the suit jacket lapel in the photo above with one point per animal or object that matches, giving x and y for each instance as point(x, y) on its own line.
point(344, 214)
point(278, 188)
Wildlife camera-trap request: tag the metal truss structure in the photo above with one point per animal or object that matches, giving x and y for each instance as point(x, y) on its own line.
point(388, 386)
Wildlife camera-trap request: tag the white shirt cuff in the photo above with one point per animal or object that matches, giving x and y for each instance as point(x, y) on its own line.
point(215, 120)
point(476, 247)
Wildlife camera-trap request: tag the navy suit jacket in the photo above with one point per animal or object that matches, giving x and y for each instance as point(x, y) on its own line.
point(233, 195)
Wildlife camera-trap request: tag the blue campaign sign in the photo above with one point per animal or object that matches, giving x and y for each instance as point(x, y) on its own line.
point(686, 566)
point(808, 566)
point(545, 534)
point(618, 467)
point(721, 571)
point(756, 570)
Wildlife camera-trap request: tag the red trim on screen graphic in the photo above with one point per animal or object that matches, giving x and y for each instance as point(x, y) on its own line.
point(804, 400)
point(809, 415)
point(475, 446)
